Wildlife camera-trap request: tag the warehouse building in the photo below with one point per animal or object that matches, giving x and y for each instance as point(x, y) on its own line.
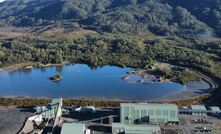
point(143, 118)
point(74, 128)
point(215, 111)
point(119, 128)
point(146, 113)
point(198, 110)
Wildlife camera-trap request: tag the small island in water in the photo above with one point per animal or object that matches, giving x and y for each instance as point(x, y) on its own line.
point(57, 77)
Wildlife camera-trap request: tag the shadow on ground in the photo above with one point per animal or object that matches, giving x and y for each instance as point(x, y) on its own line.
point(29, 109)
point(90, 116)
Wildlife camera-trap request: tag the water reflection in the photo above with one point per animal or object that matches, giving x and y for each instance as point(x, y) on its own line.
point(43, 69)
point(59, 69)
point(80, 80)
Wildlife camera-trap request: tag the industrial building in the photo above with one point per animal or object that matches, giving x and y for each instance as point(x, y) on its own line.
point(74, 128)
point(135, 118)
point(38, 123)
point(52, 110)
point(198, 110)
point(118, 128)
point(146, 113)
point(143, 118)
point(215, 111)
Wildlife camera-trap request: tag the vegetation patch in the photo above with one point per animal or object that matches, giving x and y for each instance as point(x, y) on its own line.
point(161, 72)
point(88, 102)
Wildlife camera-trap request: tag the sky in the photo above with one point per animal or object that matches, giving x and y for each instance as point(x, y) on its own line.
point(2, 0)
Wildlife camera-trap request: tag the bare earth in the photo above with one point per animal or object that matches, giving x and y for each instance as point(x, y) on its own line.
point(12, 119)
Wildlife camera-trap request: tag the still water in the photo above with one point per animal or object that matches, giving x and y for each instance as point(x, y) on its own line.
point(79, 80)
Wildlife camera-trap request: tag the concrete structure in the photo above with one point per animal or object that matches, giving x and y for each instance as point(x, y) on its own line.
point(215, 111)
point(52, 110)
point(198, 110)
point(142, 118)
point(73, 128)
point(145, 113)
point(37, 123)
point(118, 128)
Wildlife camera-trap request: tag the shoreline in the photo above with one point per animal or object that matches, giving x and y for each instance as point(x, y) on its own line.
point(15, 67)
point(189, 93)
point(29, 65)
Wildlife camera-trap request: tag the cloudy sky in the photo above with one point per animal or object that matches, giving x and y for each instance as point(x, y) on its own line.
point(2, 0)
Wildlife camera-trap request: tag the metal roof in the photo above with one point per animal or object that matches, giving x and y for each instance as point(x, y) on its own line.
point(198, 107)
point(137, 129)
point(215, 109)
point(73, 128)
point(149, 105)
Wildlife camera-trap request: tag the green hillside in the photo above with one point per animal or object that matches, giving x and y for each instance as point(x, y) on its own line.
point(207, 11)
point(161, 17)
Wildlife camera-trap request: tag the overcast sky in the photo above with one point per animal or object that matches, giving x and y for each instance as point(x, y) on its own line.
point(2, 0)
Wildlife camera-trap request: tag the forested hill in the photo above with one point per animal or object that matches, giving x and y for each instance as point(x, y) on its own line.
point(161, 17)
point(207, 11)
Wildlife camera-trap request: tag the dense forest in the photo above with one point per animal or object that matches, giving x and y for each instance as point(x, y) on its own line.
point(117, 49)
point(207, 11)
point(161, 17)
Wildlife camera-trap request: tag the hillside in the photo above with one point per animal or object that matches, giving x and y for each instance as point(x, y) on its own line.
point(160, 17)
point(207, 11)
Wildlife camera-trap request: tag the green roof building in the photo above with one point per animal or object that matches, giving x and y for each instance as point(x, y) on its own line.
point(73, 128)
point(142, 118)
point(147, 113)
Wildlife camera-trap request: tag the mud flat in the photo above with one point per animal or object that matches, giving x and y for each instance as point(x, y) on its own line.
point(192, 89)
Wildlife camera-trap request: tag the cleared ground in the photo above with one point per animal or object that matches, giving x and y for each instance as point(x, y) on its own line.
point(12, 119)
